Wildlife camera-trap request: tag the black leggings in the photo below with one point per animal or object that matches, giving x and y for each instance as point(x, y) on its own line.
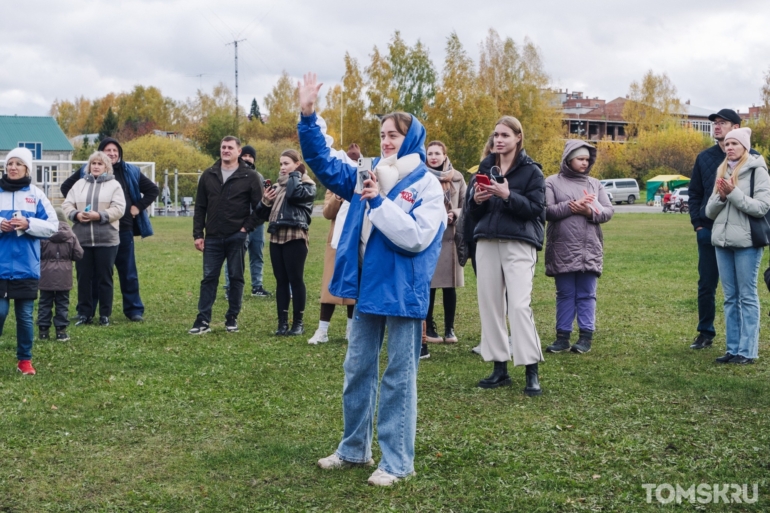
point(327, 310)
point(450, 307)
point(289, 269)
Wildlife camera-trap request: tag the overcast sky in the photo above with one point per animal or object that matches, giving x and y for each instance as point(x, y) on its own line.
point(715, 52)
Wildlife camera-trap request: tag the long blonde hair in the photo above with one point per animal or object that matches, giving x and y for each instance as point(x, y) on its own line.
point(722, 170)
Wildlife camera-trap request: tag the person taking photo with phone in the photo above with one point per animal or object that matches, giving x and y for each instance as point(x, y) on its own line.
point(288, 206)
point(386, 256)
point(508, 206)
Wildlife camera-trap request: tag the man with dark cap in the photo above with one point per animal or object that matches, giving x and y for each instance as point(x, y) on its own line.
point(140, 192)
point(702, 180)
point(256, 238)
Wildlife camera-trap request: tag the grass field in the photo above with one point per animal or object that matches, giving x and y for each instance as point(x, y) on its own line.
point(143, 417)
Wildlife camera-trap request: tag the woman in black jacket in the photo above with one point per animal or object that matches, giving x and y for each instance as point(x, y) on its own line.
point(287, 206)
point(509, 215)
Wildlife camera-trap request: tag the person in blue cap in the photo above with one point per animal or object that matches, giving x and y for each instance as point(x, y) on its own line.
point(386, 256)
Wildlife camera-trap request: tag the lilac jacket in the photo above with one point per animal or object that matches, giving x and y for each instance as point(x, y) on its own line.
point(574, 243)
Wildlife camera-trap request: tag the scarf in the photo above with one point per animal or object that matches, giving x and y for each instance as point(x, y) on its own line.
point(389, 172)
point(14, 185)
point(444, 174)
point(280, 195)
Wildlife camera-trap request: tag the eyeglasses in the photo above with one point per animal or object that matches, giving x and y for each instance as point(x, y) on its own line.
point(723, 123)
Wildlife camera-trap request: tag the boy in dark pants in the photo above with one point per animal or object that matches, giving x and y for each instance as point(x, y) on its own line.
point(56, 257)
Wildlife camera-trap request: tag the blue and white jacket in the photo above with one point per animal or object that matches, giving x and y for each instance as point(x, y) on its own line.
point(20, 254)
point(406, 228)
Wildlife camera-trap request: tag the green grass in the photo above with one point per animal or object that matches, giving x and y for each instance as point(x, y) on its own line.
point(143, 417)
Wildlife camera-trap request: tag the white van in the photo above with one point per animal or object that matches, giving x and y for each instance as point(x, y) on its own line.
point(622, 189)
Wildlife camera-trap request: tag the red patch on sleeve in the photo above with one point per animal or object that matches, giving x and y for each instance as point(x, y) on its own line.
point(407, 196)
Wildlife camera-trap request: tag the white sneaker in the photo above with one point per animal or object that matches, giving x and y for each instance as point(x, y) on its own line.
point(334, 461)
point(382, 478)
point(347, 332)
point(319, 336)
point(476, 349)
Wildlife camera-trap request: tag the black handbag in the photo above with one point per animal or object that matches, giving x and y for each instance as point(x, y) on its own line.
point(760, 226)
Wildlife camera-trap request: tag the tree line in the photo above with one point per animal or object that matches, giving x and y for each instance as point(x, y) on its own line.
point(458, 104)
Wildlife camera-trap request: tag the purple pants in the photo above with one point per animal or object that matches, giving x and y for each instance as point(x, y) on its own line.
point(576, 293)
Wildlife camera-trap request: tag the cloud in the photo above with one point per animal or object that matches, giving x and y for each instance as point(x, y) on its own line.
point(715, 53)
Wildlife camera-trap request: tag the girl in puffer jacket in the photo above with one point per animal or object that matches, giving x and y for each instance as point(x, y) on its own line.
point(576, 207)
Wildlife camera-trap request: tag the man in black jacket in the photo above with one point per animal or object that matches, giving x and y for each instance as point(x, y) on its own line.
point(702, 180)
point(139, 192)
point(225, 205)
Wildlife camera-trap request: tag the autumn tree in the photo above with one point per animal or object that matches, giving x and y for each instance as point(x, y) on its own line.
point(760, 128)
point(282, 105)
point(345, 112)
point(211, 118)
point(413, 75)
point(169, 154)
point(652, 104)
point(515, 78)
point(462, 115)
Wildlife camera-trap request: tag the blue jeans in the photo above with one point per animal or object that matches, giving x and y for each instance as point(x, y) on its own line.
point(708, 279)
point(739, 268)
point(215, 252)
point(255, 246)
point(125, 263)
point(397, 415)
point(576, 293)
point(25, 333)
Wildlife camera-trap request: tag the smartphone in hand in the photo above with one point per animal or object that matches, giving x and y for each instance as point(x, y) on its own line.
point(483, 180)
point(363, 170)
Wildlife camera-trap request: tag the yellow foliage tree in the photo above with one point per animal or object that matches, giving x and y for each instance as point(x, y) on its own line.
point(282, 105)
point(169, 154)
point(516, 79)
point(461, 116)
point(652, 104)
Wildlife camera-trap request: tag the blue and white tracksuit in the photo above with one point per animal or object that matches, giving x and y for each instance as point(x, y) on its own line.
point(20, 259)
point(391, 285)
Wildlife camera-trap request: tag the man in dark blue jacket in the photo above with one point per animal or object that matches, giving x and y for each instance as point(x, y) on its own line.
point(704, 174)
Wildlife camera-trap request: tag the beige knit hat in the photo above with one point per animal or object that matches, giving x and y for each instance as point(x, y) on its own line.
point(742, 135)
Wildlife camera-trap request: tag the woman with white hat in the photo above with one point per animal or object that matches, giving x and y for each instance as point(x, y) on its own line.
point(741, 191)
point(26, 216)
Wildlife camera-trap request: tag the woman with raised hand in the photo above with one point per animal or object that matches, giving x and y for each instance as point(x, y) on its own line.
point(386, 256)
point(95, 204)
point(741, 191)
point(508, 206)
point(26, 216)
point(449, 274)
point(574, 252)
point(288, 206)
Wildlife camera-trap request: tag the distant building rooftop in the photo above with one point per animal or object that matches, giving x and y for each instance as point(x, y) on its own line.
point(32, 129)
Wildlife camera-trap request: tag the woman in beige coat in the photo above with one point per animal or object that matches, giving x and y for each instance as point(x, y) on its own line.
point(332, 206)
point(449, 273)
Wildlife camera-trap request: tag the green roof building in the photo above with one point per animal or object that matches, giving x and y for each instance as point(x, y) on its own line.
point(43, 137)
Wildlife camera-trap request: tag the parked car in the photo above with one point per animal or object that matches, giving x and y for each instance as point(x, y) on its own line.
point(622, 189)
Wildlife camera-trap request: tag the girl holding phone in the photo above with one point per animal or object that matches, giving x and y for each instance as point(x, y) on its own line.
point(386, 256)
point(510, 218)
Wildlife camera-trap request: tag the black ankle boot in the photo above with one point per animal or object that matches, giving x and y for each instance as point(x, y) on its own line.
point(561, 344)
point(533, 384)
point(297, 327)
point(283, 324)
point(498, 378)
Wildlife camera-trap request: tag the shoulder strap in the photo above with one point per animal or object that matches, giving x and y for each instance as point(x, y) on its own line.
point(751, 187)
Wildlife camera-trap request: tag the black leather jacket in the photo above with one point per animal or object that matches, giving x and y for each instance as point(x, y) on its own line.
point(297, 205)
point(522, 215)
